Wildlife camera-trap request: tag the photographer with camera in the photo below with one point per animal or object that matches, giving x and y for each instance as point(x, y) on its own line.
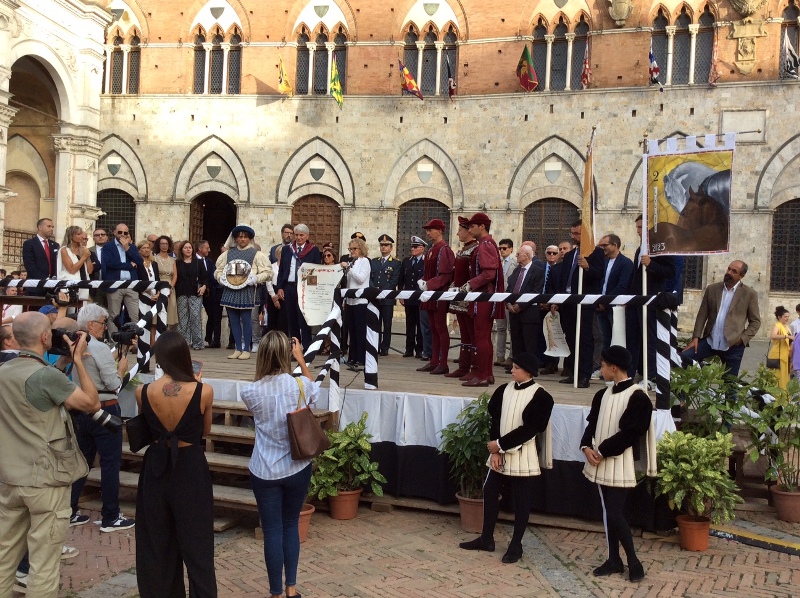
point(40, 460)
point(93, 437)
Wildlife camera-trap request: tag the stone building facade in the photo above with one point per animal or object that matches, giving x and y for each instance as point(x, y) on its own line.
point(167, 115)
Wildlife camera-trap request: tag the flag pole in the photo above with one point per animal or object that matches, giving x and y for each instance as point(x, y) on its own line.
point(642, 252)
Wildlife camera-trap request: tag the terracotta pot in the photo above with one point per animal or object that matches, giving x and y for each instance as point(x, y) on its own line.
point(345, 505)
point(787, 504)
point(694, 532)
point(471, 514)
point(305, 521)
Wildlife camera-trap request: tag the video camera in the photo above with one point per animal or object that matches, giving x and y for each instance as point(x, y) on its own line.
point(127, 334)
point(63, 296)
point(59, 345)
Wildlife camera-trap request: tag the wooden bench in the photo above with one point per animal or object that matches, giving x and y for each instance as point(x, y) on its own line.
point(231, 409)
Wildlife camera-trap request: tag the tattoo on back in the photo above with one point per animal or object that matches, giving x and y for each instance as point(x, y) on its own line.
point(171, 389)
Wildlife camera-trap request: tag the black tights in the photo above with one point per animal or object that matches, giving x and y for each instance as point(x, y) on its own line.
point(617, 529)
point(522, 495)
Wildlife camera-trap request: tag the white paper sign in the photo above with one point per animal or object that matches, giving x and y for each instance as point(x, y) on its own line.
point(315, 291)
point(554, 336)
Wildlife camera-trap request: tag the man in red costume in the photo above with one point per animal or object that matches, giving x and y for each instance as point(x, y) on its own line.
point(486, 276)
point(438, 274)
point(461, 309)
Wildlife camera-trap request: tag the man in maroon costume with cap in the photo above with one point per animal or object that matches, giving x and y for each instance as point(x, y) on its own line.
point(439, 263)
point(486, 274)
point(461, 309)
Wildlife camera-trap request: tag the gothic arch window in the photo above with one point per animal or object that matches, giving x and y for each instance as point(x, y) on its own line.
point(659, 43)
point(235, 64)
point(427, 82)
point(321, 65)
point(790, 15)
point(199, 64)
point(558, 60)
point(784, 274)
point(134, 64)
point(117, 59)
point(449, 56)
point(415, 214)
point(704, 46)
point(303, 66)
point(681, 49)
point(540, 52)
point(118, 207)
point(216, 66)
point(547, 221)
point(340, 56)
point(578, 52)
point(410, 52)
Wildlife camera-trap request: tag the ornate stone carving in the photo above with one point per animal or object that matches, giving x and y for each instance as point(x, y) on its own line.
point(77, 145)
point(747, 7)
point(80, 210)
point(620, 10)
point(745, 34)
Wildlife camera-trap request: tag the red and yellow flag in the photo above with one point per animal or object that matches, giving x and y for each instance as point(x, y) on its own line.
point(587, 209)
point(407, 82)
point(525, 71)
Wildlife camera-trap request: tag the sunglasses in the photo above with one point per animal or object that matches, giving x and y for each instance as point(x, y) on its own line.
point(504, 248)
point(124, 233)
point(385, 244)
point(551, 252)
point(99, 235)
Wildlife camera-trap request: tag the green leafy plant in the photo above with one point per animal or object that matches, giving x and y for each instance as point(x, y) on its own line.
point(692, 473)
point(346, 465)
point(464, 442)
point(708, 394)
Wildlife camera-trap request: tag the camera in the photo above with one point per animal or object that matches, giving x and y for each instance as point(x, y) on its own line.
point(127, 334)
point(62, 296)
point(108, 420)
point(59, 345)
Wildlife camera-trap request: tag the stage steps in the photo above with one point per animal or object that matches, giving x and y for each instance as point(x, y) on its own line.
point(219, 462)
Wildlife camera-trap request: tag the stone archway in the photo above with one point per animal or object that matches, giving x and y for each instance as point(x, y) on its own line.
point(212, 216)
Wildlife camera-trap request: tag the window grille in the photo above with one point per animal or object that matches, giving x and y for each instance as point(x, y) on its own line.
point(539, 53)
point(199, 65)
point(235, 65)
point(790, 15)
point(704, 47)
point(415, 214)
point(134, 62)
point(116, 67)
point(681, 49)
point(217, 56)
point(578, 51)
point(12, 245)
point(321, 66)
point(340, 56)
point(411, 54)
point(784, 273)
point(428, 83)
point(659, 44)
point(301, 81)
point(693, 272)
point(547, 221)
point(558, 60)
point(448, 53)
point(118, 207)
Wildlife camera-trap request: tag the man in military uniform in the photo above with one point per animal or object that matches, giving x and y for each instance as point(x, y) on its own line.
point(411, 271)
point(385, 276)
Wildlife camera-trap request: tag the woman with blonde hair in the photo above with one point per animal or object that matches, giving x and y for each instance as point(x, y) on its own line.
point(781, 347)
point(74, 261)
point(167, 272)
point(358, 271)
point(280, 484)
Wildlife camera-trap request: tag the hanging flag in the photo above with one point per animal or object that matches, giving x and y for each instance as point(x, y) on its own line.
point(789, 60)
point(336, 84)
point(714, 74)
point(284, 86)
point(587, 208)
point(525, 71)
point(586, 73)
point(654, 70)
point(451, 82)
point(407, 82)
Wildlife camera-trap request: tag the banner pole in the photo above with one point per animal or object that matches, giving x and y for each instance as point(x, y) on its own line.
point(578, 332)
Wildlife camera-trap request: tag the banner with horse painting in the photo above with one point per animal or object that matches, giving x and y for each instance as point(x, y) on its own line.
point(687, 196)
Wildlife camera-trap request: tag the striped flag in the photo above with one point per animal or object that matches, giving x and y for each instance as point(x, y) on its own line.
point(714, 74)
point(654, 70)
point(451, 82)
point(586, 73)
point(525, 71)
point(407, 82)
point(587, 208)
point(789, 60)
point(284, 86)
point(336, 84)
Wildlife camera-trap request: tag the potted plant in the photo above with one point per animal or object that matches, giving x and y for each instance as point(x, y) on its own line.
point(692, 473)
point(342, 471)
point(707, 393)
point(772, 417)
point(304, 523)
point(464, 442)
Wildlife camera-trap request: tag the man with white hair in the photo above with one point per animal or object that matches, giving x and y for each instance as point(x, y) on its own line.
point(524, 318)
point(300, 251)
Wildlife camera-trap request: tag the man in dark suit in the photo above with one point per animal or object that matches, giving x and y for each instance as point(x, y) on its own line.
point(524, 318)
point(212, 297)
point(552, 270)
point(100, 237)
point(659, 271)
point(39, 255)
point(287, 236)
point(727, 320)
point(411, 271)
point(301, 251)
point(618, 271)
point(385, 276)
point(592, 267)
point(120, 260)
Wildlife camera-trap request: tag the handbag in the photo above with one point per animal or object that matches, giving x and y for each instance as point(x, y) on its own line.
point(139, 434)
point(775, 363)
point(307, 439)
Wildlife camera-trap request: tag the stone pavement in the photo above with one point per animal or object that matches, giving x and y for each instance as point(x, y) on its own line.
point(409, 553)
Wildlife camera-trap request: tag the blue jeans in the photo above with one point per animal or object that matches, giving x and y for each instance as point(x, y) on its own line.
point(732, 358)
point(241, 327)
point(92, 439)
point(279, 504)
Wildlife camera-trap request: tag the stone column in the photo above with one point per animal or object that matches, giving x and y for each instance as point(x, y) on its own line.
point(692, 50)
point(670, 47)
point(549, 39)
point(126, 52)
point(207, 47)
point(312, 48)
point(570, 39)
point(226, 48)
point(420, 49)
point(329, 46)
point(108, 52)
point(76, 176)
point(6, 115)
point(439, 48)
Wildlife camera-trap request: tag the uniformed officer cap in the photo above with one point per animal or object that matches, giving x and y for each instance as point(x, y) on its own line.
point(358, 235)
point(385, 239)
point(417, 241)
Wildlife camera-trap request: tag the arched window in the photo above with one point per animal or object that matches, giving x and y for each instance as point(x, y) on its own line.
point(790, 16)
point(448, 56)
point(540, 53)
point(410, 52)
point(118, 207)
point(558, 61)
point(427, 84)
point(235, 64)
point(681, 49)
point(134, 63)
point(216, 68)
point(321, 66)
point(199, 65)
point(784, 273)
point(704, 46)
point(578, 52)
point(415, 214)
point(547, 221)
point(303, 66)
point(659, 43)
point(340, 57)
point(117, 58)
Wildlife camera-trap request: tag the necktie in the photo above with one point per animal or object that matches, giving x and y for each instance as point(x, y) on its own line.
point(49, 259)
point(546, 274)
point(572, 270)
point(520, 278)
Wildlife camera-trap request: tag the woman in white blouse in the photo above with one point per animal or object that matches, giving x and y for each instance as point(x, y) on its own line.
point(358, 271)
point(74, 260)
point(279, 483)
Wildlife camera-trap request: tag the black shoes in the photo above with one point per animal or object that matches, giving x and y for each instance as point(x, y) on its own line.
point(583, 383)
point(408, 354)
point(565, 381)
point(513, 554)
point(610, 567)
point(383, 352)
point(479, 544)
point(635, 571)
